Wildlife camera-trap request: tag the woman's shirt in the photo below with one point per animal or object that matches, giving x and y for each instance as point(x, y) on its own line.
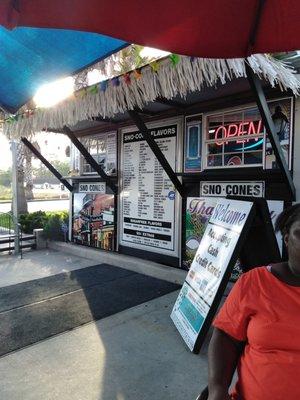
point(265, 313)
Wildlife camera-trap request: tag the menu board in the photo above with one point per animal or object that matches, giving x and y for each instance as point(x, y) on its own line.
point(148, 195)
point(213, 257)
point(111, 153)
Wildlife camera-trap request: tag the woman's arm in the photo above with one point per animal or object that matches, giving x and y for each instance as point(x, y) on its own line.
point(223, 355)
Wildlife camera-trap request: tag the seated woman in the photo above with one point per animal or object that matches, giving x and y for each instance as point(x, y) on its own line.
point(258, 328)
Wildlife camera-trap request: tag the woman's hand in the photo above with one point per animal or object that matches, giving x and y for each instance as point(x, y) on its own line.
point(218, 393)
point(221, 397)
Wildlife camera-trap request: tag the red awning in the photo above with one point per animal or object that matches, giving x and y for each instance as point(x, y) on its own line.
point(204, 28)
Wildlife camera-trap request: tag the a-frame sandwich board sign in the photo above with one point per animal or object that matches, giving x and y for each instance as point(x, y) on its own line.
point(261, 245)
point(223, 242)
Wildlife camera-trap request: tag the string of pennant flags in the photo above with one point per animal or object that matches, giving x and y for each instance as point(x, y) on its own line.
point(166, 78)
point(101, 86)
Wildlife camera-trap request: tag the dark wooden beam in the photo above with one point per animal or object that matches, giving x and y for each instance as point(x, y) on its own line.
point(145, 112)
point(47, 164)
point(157, 152)
point(264, 110)
point(89, 159)
point(49, 130)
point(101, 119)
point(172, 103)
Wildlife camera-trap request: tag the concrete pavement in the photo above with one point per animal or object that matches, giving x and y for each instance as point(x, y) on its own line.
point(64, 257)
point(134, 355)
point(135, 264)
point(38, 264)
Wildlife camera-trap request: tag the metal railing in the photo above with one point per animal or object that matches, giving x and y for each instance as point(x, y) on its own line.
point(10, 232)
point(6, 228)
point(6, 222)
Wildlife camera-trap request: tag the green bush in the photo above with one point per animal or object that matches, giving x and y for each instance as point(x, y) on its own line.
point(32, 221)
point(50, 221)
point(53, 227)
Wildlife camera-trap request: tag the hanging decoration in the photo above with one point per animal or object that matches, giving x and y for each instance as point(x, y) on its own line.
point(115, 81)
point(155, 66)
point(126, 78)
point(103, 86)
point(93, 89)
point(137, 73)
point(169, 77)
point(175, 58)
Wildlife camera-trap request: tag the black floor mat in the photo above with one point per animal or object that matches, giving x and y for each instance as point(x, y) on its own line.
point(35, 310)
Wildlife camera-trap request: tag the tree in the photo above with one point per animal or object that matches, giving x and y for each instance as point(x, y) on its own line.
point(18, 179)
point(22, 201)
point(28, 178)
point(5, 178)
point(62, 166)
point(123, 61)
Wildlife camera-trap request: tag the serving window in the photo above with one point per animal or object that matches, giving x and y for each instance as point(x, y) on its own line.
point(103, 148)
point(238, 139)
point(281, 111)
point(234, 139)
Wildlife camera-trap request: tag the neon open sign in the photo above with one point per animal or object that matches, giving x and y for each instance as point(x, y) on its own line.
point(225, 132)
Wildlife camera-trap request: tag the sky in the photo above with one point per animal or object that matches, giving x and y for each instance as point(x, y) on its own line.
point(53, 147)
point(5, 153)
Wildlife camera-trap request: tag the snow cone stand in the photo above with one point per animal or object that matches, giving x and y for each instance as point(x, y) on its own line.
point(146, 182)
point(156, 151)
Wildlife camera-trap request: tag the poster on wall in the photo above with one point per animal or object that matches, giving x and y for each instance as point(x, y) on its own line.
point(214, 255)
point(148, 198)
point(198, 213)
point(93, 217)
point(193, 146)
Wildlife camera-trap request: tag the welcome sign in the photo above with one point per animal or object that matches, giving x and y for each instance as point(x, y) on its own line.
point(215, 257)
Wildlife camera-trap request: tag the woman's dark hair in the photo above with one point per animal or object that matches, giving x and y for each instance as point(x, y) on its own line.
point(286, 219)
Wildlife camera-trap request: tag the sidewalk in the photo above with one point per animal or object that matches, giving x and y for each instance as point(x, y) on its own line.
point(136, 354)
point(38, 264)
point(135, 264)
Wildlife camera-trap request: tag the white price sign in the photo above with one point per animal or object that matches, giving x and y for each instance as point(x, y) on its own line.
point(92, 187)
point(237, 188)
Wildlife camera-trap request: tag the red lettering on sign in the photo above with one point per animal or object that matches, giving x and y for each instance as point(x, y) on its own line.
point(236, 130)
point(223, 134)
point(232, 130)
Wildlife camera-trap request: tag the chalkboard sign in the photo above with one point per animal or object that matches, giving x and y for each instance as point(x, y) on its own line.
point(207, 278)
